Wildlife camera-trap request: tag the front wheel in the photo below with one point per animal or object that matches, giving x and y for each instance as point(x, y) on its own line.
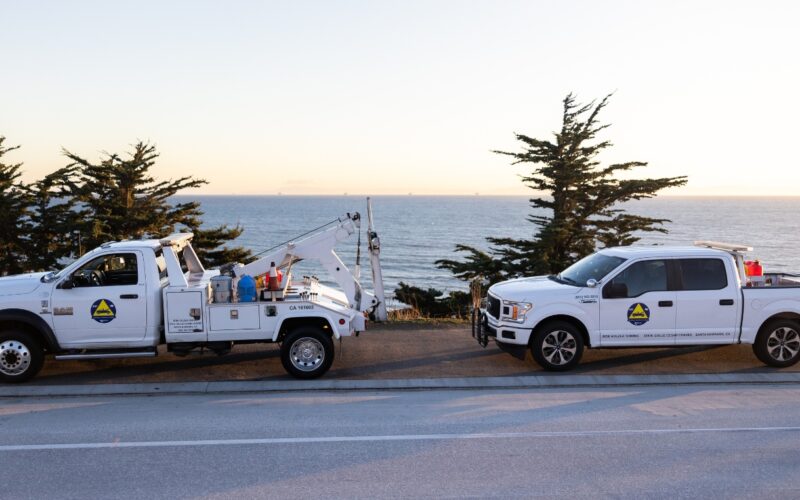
point(21, 357)
point(557, 346)
point(307, 352)
point(778, 343)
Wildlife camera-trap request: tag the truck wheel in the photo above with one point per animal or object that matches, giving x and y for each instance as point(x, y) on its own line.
point(778, 343)
point(557, 346)
point(21, 357)
point(307, 352)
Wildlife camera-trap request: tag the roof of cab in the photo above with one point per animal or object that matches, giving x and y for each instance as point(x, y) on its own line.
point(132, 244)
point(641, 251)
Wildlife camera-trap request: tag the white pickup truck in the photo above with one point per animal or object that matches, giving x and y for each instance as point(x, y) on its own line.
point(641, 296)
point(124, 299)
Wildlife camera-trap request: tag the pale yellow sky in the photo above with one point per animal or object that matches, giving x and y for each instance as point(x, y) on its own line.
point(318, 97)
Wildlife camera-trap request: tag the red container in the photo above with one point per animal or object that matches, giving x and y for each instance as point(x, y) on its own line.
point(753, 268)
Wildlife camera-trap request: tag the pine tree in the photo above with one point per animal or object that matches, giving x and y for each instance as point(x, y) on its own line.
point(582, 207)
point(54, 218)
point(14, 215)
point(121, 200)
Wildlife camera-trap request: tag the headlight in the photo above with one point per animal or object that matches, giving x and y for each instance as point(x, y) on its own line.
point(515, 311)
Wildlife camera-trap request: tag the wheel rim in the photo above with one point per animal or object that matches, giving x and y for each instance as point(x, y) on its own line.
point(783, 344)
point(559, 347)
point(307, 354)
point(15, 357)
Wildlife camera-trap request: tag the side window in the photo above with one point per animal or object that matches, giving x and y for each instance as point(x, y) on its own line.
point(161, 263)
point(703, 274)
point(641, 277)
point(108, 270)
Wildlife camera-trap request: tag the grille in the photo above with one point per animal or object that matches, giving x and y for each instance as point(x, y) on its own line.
point(494, 307)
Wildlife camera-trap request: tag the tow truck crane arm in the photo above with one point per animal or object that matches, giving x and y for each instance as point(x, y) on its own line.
point(319, 246)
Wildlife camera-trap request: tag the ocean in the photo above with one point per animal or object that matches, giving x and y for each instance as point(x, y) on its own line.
point(415, 231)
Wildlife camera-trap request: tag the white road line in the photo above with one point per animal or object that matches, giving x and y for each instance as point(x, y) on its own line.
point(400, 437)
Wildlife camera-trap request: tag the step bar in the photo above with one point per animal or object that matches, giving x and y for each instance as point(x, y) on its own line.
point(106, 355)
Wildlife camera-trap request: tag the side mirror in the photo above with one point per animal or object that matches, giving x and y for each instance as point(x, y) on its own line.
point(615, 291)
point(591, 283)
point(67, 284)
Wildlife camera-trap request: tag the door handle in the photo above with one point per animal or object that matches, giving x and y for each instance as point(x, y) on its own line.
point(664, 303)
point(129, 296)
point(726, 302)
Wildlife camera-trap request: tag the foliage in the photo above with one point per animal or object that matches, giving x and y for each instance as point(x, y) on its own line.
point(14, 224)
point(582, 202)
point(122, 200)
point(84, 204)
point(430, 303)
point(54, 219)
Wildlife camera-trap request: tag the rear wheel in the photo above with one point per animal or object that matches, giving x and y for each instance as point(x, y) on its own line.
point(21, 356)
point(557, 346)
point(778, 343)
point(307, 352)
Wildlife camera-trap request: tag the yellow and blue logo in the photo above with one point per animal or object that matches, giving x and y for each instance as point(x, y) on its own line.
point(638, 314)
point(103, 311)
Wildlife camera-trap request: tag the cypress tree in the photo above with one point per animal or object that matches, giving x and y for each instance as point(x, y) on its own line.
point(121, 200)
point(582, 202)
point(14, 220)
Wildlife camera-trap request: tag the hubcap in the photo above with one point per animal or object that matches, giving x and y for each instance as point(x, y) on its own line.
point(783, 344)
point(307, 354)
point(559, 347)
point(15, 357)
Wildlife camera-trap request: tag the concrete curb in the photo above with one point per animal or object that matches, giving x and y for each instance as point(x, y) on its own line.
point(521, 382)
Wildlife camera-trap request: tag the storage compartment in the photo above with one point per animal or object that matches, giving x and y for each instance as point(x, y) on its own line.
point(234, 317)
point(184, 312)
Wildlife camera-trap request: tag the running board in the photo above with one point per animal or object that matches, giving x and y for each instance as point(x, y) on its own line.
point(106, 355)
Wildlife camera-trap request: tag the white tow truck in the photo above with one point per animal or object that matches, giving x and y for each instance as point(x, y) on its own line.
point(642, 296)
point(125, 298)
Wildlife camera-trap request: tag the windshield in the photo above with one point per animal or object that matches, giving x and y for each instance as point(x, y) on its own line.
point(592, 267)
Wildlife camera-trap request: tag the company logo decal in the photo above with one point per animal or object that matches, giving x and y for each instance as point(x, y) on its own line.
point(103, 311)
point(638, 314)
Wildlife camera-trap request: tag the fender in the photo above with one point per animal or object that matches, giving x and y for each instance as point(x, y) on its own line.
point(310, 319)
point(565, 309)
point(34, 321)
point(754, 319)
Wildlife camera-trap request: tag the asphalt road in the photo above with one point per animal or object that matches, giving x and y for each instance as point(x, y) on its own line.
point(631, 442)
point(395, 352)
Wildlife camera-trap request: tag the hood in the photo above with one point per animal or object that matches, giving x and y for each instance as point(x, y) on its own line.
point(528, 289)
point(20, 283)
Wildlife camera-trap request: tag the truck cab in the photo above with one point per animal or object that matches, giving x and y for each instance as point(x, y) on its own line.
point(640, 296)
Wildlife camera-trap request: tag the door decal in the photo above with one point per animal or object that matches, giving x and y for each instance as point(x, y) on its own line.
point(103, 311)
point(638, 314)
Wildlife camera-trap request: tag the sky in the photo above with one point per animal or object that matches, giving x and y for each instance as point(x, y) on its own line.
point(397, 97)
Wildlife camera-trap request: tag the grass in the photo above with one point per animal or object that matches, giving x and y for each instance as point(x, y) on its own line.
point(412, 316)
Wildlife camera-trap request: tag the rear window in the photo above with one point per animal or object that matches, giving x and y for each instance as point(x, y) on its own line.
point(703, 274)
point(161, 263)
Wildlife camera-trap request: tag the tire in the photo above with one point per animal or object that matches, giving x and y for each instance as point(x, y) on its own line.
point(778, 343)
point(307, 352)
point(21, 356)
point(557, 346)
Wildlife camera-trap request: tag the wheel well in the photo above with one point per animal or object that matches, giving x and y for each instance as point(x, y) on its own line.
point(784, 315)
point(568, 319)
point(292, 323)
point(25, 327)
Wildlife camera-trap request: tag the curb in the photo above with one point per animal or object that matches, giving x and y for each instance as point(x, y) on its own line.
point(520, 382)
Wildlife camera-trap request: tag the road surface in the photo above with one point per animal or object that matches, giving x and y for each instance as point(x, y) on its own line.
point(630, 442)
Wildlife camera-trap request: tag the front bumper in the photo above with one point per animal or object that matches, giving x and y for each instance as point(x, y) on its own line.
point(511, 339)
